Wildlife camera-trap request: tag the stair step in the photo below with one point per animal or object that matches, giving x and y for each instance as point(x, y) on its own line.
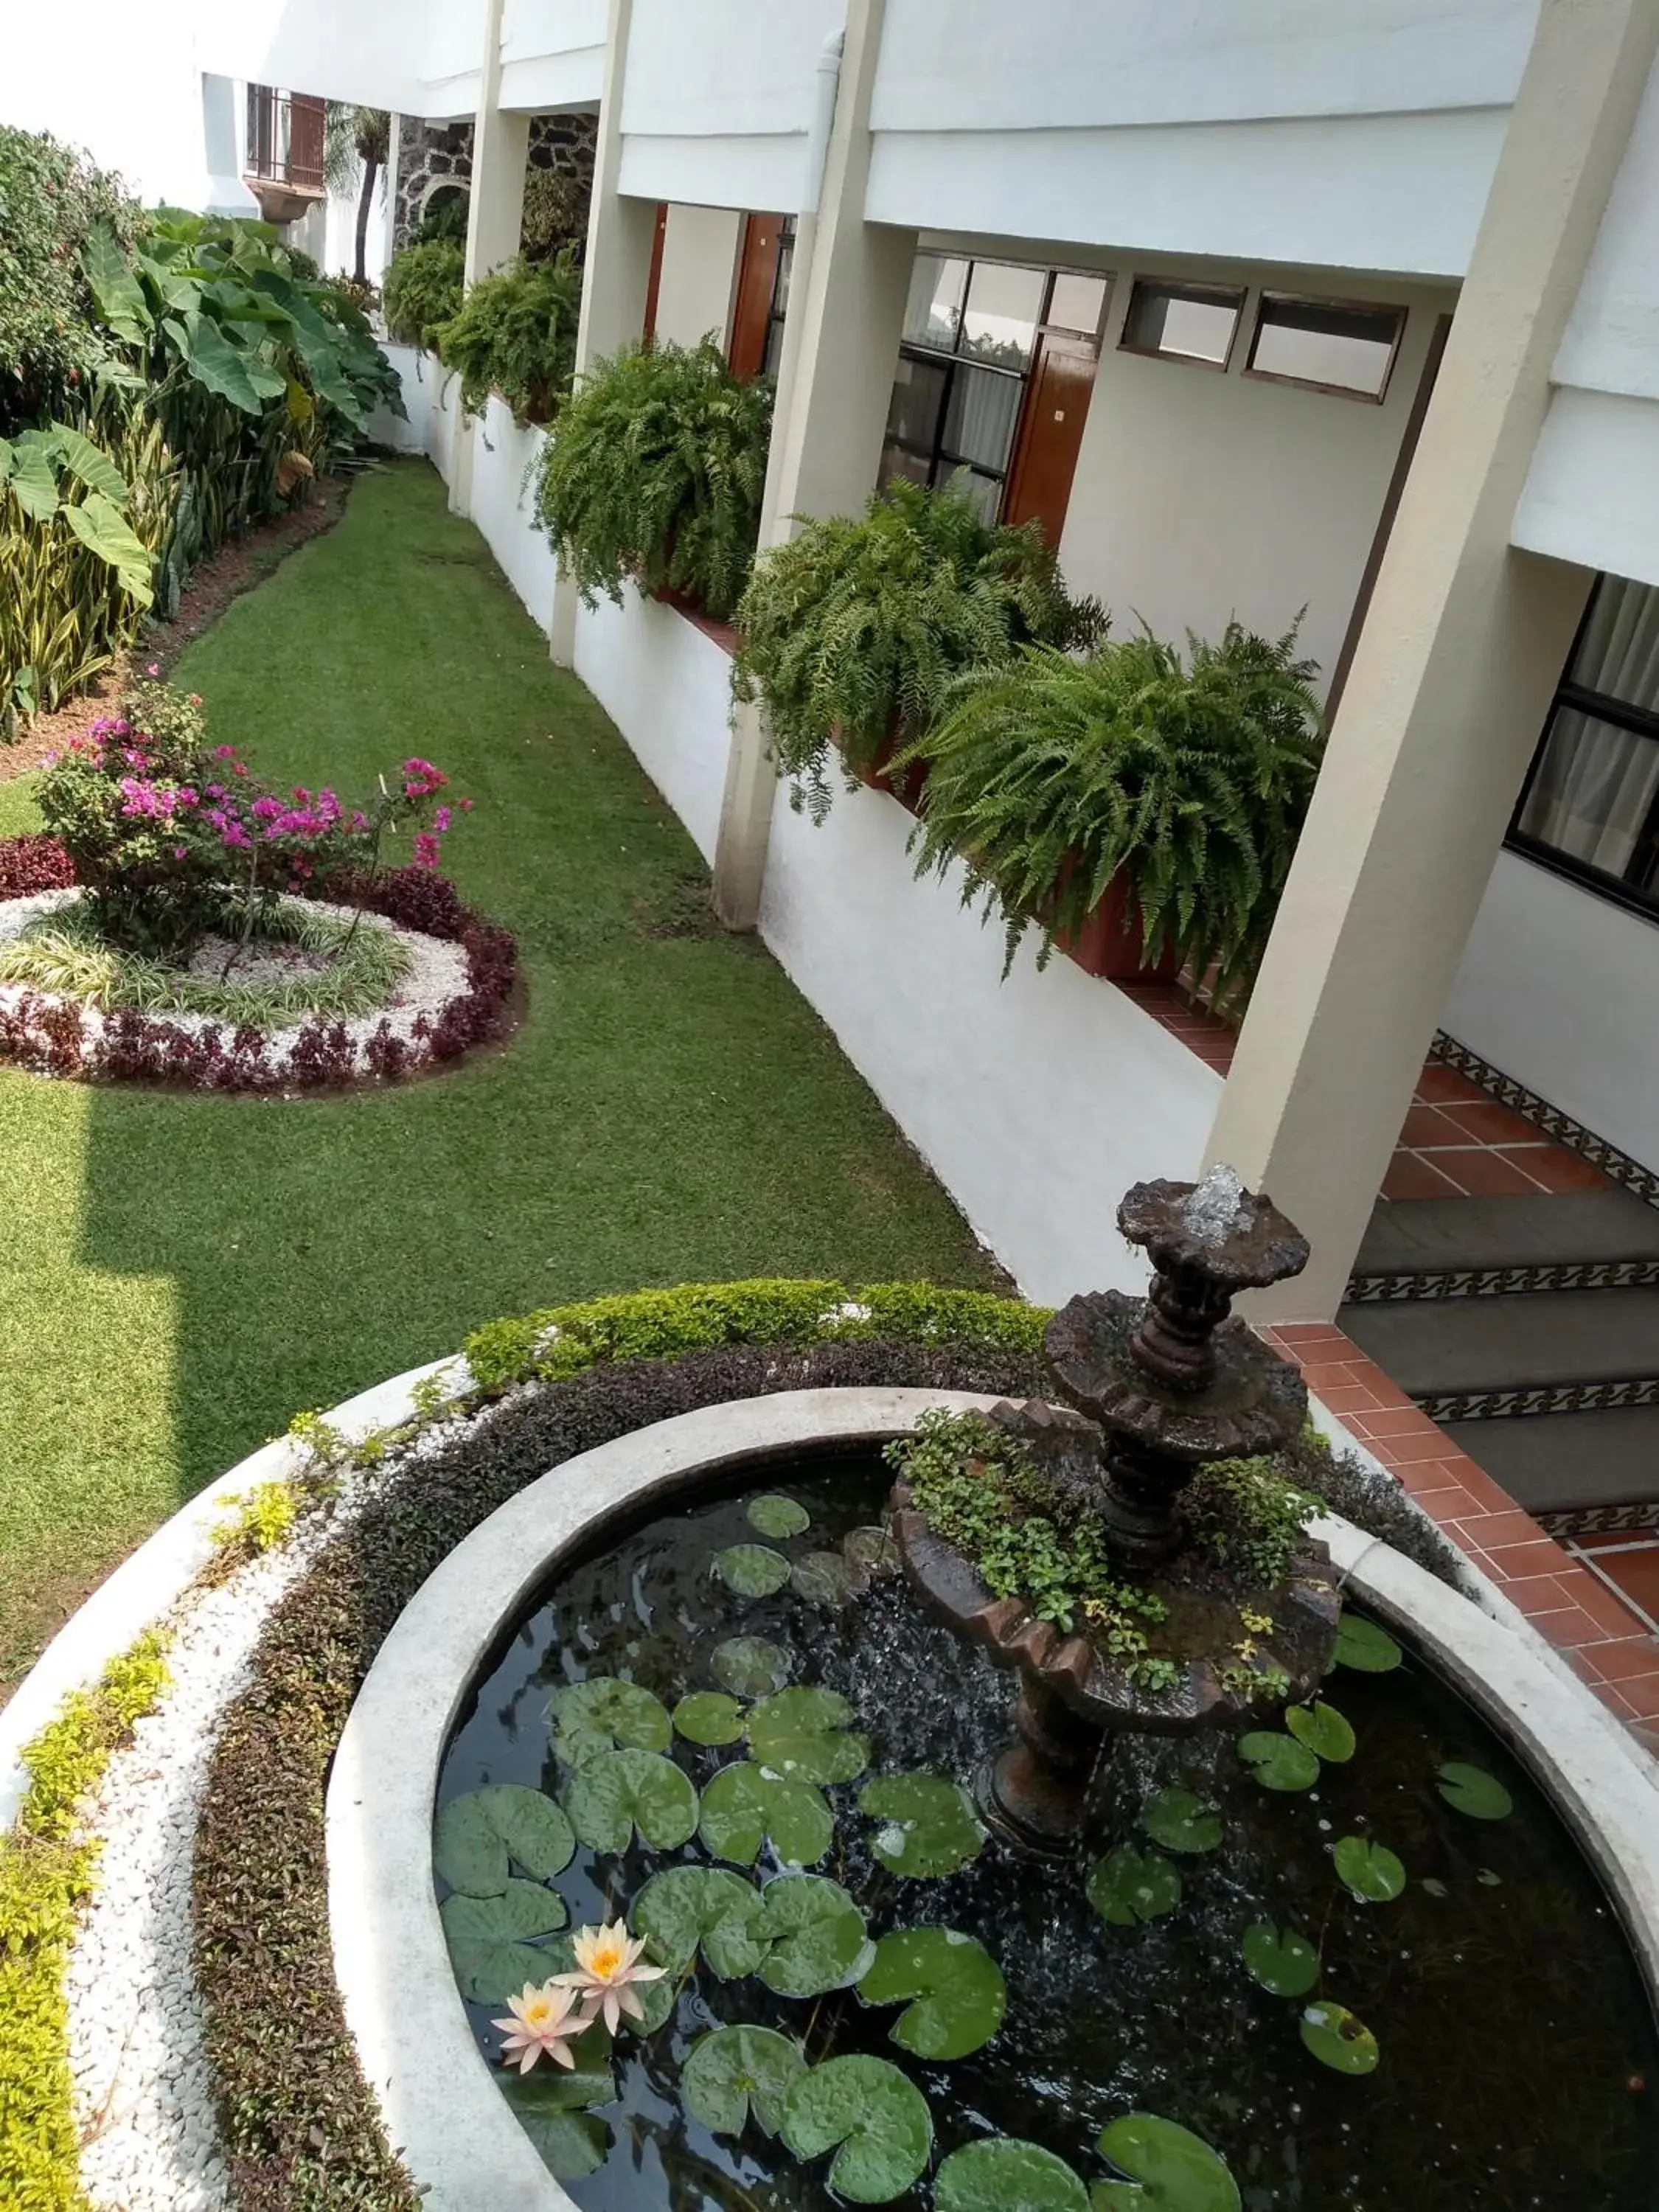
point(1563, 1462)
point(1437, 1235)
point(1524, 1340)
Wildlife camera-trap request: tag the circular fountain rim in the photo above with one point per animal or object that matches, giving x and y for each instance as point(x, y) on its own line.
point(439, 2097)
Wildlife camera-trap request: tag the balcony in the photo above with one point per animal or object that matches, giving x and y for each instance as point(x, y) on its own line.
point(284, 163)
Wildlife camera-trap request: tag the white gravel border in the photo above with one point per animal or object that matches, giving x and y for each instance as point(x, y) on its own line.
point(437, 973)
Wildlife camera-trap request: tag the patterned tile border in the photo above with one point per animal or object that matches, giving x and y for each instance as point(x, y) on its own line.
point(1545, 1398)
point(1500, 1282)
point(1576, 1520)
point(1617, 1166)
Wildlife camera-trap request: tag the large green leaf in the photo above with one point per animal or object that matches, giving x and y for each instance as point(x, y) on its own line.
point(1371, 1871)
point(822, 1578)
point(708, 1718)
point(805, 1735)
point(869, 1554)
point(815, 1935)
point(743, 1804)
point(606, 1714)
point(477, 1835)
point(687, 1909)
point(1278, 1761)
point(1281, 1960)
point(1002, 2175)
point(874, 2118)
point(929, 1827)
point(614, 1792)
point(103, 530)
point(26, 469)
point(777, 1516)
point(951, 1987)
point(1182, 1821)
point(738, 2071)
point(1128, 1888)
point(489, 1940)
point(573, 2143)
point(752, 1570)
point(1472, 1790)
point(1338, 2040)
point(88, 464)
point(119, 295)
point(220, 366)
point(749, 1667)
point(1361, 1645)
point(1170, 2169)
point(1323, 1730)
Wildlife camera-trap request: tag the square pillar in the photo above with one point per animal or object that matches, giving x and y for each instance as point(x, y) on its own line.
point(495, 214)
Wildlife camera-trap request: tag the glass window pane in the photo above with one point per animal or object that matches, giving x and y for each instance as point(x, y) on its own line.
point(1191, 324)
point(914, 468)
point(982, 418)
point(1349, 346)
point(913, 412)
point(1077, 303)
point(934, 311)
point(1618, 654)
point(984, 492)
point(1593, 794)
point(781, 288)
point(1004, 306)
point(774, 359)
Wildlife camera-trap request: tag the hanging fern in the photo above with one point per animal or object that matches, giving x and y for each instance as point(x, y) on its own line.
point(515, 333)
point(853, 632)
point(1053, 776)
point(655, 472)
point(422, 290)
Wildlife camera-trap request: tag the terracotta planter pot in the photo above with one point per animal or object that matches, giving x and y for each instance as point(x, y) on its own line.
point(1109, 942)
point(909, 786)
point(670, 595)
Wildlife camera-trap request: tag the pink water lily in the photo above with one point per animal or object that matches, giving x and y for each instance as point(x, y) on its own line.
point(607, 1972)
point(541, 2021)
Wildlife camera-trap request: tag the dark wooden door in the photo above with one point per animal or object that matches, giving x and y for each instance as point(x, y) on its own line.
point(1051, 436)
point(758, 276)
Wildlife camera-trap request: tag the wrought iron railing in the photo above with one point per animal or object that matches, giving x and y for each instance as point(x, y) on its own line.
point(285, 133)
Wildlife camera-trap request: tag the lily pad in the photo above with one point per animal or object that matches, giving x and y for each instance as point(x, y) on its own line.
point(614, 1792)
point(815, 1934)
point(686, 1909)
point(573, 2142)
point(708, 1717)
point(1278, 1761)
point(1001, 2174)
point(1129, 1887)
point(743, 1804)
point(1435, 1886)
point(1170, 2169)
point(1182, 1821)
point(1487, 1879)
point(1368, 1649)
point(1285, 1963)
point(778, 1517)
point(1472, 1790)
point(956, 1995)
point(804, 1736)
point(1371, 1871)
point(749, 1667)
point(871, 1553)
point(822, 1578)
point(738, 2072)
point(874, 2118)
point(929, 1827)
point(606, 1715)
point(1338, 2039)
point(490, 1938)
point(479, 1839)
point(752, 1569)
point(1324, 1731)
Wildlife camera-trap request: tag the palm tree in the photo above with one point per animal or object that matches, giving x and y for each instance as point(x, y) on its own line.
point(356, 140)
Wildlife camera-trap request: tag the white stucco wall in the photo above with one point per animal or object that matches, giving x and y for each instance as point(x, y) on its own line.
point(552, 52)
point(416, 57)
point(666, 686)
point(1560, 989)
point(504, 459)
point(699, 263)
point(385, 428)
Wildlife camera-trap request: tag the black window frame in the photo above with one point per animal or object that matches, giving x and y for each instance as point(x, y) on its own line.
point(778, 304)
point(1237, 296)
point(1267, 300)
point(1618, 714)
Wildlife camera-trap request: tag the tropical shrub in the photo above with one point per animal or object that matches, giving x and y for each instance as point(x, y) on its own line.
point(51, 201)
point(515, 333)
point(656, 474)
point(422, 290)
point(555, 205)
point(1052, 777)
point(853, 632)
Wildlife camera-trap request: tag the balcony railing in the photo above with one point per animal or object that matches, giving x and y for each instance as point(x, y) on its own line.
point(285, 137)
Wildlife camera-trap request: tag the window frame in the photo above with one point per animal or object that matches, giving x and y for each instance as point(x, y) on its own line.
point(1179, 288)
point(1266, 299)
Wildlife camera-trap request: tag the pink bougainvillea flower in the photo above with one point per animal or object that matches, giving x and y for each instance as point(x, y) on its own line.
point(426, 850)
point(465, 805)
point(155, 668)
point(224, 752)
point(607, 1970)
point(541, 2021)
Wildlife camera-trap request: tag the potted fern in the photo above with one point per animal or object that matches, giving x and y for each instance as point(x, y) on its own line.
point(1138, 810)
point(422, 290)
point(655, 473)
point(515, 333)
point(852, 633)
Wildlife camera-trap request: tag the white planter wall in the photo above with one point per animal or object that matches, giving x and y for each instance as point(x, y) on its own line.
point(504, 459)
point(666, 686)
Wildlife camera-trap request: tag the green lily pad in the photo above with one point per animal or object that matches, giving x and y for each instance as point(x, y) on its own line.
point(815, 1934)
point(929, 1827)
point(479, 1839)
point(1472, 1790)
point(1129, 1887)
point(749, 1667)
point(490, 1939)
point(1323, 1731)
point(708, 1717)
point(743, 1804)
point(737, 2072)
point(822, 1578)
point(1487, 1879)
point(1370, 1871)
point(614, 1792)
point(1278, 1761)
point(752, 1569)
point(1435, 1886)
point(778, 1517)
point(1001, 2174)
point(871, 1554)
point(804, 1736)
point(606, 1715)
point(874, 2118)
point(686, 1909)
point(1170, 2169)
point(1368, 1649)
point(951, 1987)
point(573, 2142)
point(1285, 1963)
point(1338, 2040)
point(1182, 1821)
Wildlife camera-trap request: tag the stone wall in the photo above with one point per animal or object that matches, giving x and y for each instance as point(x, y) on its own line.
point(434, 154)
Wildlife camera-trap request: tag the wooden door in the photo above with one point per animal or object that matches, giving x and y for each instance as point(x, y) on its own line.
point(757, 278)
point(1051, 435)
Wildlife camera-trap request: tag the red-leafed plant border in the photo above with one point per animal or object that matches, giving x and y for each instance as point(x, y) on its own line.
point(42, 1031)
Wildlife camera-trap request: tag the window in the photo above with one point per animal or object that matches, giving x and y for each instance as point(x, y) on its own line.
point(780, 305)
point(1182, 322)
point(1590, 805)
point(1334, 345)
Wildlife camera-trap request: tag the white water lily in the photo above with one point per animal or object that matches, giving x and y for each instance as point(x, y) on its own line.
point(607, 1970)
point(541, 2021)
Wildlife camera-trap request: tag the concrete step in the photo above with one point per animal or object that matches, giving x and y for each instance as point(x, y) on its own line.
point(1558, 1463)
point(1527, 1340)
point(1442, 1236)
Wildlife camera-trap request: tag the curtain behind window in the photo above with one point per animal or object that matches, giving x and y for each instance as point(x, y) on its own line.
point(1597, 785)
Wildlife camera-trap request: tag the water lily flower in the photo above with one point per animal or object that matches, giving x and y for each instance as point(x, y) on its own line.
point(607, 1968)
point(540, 2021)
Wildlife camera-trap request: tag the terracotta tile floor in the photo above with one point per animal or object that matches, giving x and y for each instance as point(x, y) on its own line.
point(1630, 1562)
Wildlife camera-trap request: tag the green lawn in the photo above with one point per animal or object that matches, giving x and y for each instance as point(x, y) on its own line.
point(179, 1275)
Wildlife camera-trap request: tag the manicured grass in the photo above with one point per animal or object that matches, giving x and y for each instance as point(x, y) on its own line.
point(179, 1275)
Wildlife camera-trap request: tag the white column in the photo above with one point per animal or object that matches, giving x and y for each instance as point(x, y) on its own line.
point(616, 275)
point(841, 343)
point(1452, 679)
point(495, 214)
